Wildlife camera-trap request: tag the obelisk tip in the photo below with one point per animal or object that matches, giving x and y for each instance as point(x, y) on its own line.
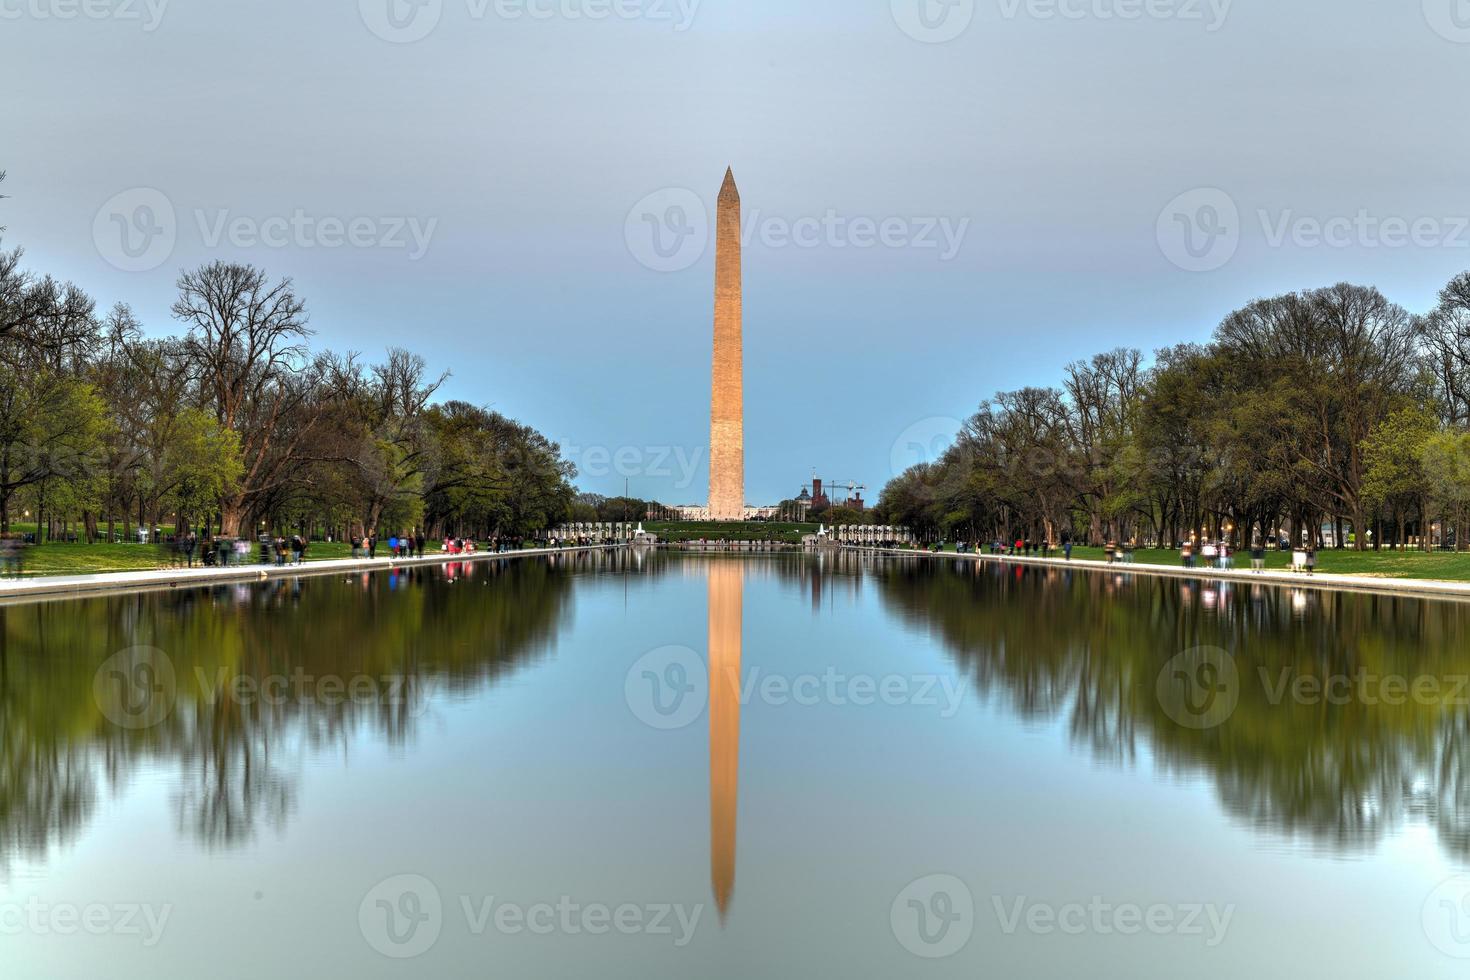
point(728, 190)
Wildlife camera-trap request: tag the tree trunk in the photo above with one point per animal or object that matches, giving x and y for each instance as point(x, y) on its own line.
point(231, 515)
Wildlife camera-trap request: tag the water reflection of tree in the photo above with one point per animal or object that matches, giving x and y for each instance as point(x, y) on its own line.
point(1090, 647)
point(418, 633)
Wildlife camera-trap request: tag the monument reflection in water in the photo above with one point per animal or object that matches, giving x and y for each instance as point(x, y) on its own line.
point(726, 620)
point(505, 760)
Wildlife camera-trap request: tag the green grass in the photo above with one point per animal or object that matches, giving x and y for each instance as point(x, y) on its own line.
point(92, 559)
point(85, 559)
point(1441, 566)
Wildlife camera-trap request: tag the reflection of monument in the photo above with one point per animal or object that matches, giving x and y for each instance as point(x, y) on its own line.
point(725, 619)
point(727, 395)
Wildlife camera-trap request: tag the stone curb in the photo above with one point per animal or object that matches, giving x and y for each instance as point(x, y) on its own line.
point(63, 585)
point(1423, 588)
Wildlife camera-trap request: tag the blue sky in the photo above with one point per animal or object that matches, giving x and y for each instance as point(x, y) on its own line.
point(469, 178)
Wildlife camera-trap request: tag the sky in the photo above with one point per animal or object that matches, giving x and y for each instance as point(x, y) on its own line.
point(942, 198)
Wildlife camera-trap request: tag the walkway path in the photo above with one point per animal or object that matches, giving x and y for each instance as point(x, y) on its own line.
point(1353, 583)
point(55, 585)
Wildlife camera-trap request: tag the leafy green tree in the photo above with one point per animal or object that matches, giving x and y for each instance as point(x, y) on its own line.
point(52, 432)
point(1393, 458)
point(1447, 471)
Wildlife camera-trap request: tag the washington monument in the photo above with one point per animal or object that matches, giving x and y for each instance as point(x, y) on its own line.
point(727, 402)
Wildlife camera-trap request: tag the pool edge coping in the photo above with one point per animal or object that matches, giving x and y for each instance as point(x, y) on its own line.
point(1420, 588)
point(62, 586)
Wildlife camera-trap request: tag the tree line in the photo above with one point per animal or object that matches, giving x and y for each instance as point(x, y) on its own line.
point(1329, 415)
point(234, 425)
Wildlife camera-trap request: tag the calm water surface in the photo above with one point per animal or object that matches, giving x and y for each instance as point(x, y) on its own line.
point(654, 765)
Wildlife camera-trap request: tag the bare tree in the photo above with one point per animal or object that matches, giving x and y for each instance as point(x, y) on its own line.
point(246, 345)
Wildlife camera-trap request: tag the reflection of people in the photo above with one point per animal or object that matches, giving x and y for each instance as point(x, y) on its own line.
point(10, 555)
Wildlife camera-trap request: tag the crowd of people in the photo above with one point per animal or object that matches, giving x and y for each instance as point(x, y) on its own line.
point(579, 541)
point(1216, 554)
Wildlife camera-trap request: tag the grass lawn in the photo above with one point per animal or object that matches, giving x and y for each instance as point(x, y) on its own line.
point(91, 559)
point(1443, 565)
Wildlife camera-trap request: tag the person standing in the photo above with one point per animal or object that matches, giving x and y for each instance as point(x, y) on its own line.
point(1258, 555)
point(373, 545)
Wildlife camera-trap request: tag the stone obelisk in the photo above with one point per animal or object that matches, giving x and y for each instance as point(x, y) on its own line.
point(727, 403)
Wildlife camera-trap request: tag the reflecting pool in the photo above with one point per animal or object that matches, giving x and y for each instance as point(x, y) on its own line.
point(648, 764)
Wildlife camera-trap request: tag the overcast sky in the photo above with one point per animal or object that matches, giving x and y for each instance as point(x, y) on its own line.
point(942, 200)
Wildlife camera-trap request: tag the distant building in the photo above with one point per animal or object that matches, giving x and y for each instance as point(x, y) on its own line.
point(817, 497)
point(700, 512)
